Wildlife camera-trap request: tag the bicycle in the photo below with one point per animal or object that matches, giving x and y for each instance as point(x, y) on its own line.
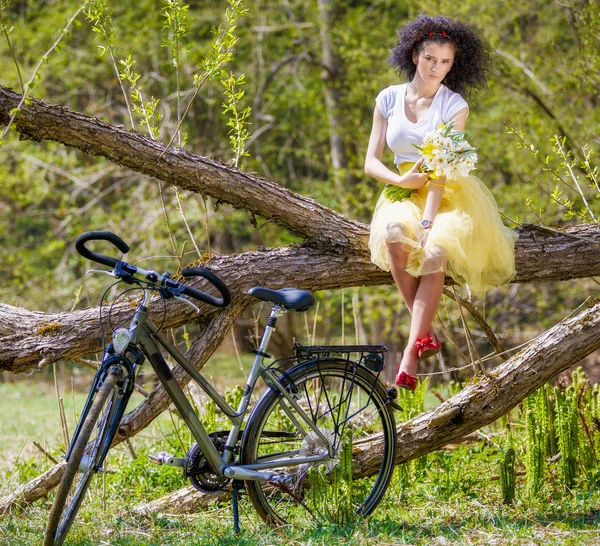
point(299, 456)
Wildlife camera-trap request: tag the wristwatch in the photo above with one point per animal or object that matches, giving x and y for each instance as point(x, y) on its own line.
point(426, 224)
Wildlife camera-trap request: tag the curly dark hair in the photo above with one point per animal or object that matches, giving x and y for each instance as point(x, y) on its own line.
point(472, 53)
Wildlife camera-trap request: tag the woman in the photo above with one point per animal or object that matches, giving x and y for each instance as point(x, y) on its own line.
point(444, 227)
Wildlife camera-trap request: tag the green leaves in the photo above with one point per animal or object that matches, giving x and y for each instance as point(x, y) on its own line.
point(237, 122)
point(147, 110)
point(574, 199)
point(101, 19)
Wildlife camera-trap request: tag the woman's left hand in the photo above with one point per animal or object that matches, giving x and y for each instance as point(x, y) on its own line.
point(423, 237)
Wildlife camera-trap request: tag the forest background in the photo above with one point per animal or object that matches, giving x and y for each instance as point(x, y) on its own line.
point(311, 71)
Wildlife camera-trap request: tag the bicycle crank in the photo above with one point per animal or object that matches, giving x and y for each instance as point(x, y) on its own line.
point(198, 469)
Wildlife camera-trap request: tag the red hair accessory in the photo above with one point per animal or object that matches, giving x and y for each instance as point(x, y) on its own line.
point(431, 34)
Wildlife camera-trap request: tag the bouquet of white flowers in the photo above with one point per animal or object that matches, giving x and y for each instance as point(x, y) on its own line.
point(446, 153)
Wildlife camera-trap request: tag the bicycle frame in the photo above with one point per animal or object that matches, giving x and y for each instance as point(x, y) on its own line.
point(146, 336)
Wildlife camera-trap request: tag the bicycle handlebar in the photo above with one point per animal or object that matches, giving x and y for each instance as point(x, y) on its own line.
point(211, 278)
point(100, 236)
point(173, 287)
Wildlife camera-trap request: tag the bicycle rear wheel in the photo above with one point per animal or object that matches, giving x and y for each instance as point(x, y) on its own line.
point(84, 458)
point(350, 407)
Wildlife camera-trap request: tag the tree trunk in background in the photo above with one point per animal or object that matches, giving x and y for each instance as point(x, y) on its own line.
point(331, 76)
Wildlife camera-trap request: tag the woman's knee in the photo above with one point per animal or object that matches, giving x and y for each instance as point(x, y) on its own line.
point(397, 257)
point(396, 231)
point(435, 259)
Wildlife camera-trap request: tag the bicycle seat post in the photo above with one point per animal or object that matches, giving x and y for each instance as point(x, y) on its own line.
point(276, 312)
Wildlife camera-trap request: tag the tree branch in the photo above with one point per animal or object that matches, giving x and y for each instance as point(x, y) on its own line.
point(487, 329)
point(300, 215)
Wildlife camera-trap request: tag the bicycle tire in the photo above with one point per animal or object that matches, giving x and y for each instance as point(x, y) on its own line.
point(298, 506)
point(65, 507)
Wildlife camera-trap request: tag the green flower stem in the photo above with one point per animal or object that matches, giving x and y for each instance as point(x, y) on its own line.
point(396, 193)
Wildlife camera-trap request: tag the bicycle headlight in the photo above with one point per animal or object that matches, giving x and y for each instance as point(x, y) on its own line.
point(120, 340)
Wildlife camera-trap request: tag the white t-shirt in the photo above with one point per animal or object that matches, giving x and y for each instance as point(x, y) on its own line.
point(401, 132)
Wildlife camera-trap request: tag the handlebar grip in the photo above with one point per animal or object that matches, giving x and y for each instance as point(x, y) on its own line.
point(214, 280)
point(100, 236)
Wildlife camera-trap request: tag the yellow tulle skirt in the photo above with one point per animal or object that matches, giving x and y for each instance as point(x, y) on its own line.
point(467, 241)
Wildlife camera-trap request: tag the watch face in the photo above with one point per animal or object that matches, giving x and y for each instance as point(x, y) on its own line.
point(425, 223)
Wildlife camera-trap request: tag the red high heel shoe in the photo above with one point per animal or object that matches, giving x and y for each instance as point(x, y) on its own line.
point(406, 381)
point(427, 347)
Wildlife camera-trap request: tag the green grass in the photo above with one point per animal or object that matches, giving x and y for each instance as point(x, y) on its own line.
point(30, 413)
point(29, 408)
point(451, 497)
point(451, 501)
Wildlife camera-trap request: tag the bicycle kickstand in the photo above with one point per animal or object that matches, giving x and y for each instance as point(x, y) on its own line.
point(237, 486)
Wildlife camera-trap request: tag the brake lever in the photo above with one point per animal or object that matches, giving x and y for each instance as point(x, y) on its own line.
point(188, 302)
point(109, 273)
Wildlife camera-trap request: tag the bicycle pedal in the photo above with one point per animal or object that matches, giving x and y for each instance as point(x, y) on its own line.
point(285, 480)
point(162, 457)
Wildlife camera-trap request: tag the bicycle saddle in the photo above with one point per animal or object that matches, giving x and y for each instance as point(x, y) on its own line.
point(292, 299)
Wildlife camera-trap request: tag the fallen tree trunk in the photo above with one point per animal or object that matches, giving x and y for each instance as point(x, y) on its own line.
point(33, 490)
point(480, 403)
point(337, 257)
point(32, 338)
point(186, 500)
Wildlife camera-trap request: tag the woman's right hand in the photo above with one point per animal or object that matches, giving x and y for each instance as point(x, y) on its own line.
point(413, 178)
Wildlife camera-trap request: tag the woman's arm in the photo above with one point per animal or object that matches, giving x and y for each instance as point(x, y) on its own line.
point(460, 118)
point(436, 187)
point(376, 169)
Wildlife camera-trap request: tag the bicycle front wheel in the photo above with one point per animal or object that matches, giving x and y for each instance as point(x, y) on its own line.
point(350, 409)
point(84, 459)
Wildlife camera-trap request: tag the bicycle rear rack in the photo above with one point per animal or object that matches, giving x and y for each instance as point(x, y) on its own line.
point(371, 356)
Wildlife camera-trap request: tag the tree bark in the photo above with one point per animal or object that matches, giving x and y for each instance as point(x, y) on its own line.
point(331, 78)
point(33, 490)
point(186, 500)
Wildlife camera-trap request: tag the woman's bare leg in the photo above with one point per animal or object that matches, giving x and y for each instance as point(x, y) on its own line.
point(406, 283)
point(427, 299)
